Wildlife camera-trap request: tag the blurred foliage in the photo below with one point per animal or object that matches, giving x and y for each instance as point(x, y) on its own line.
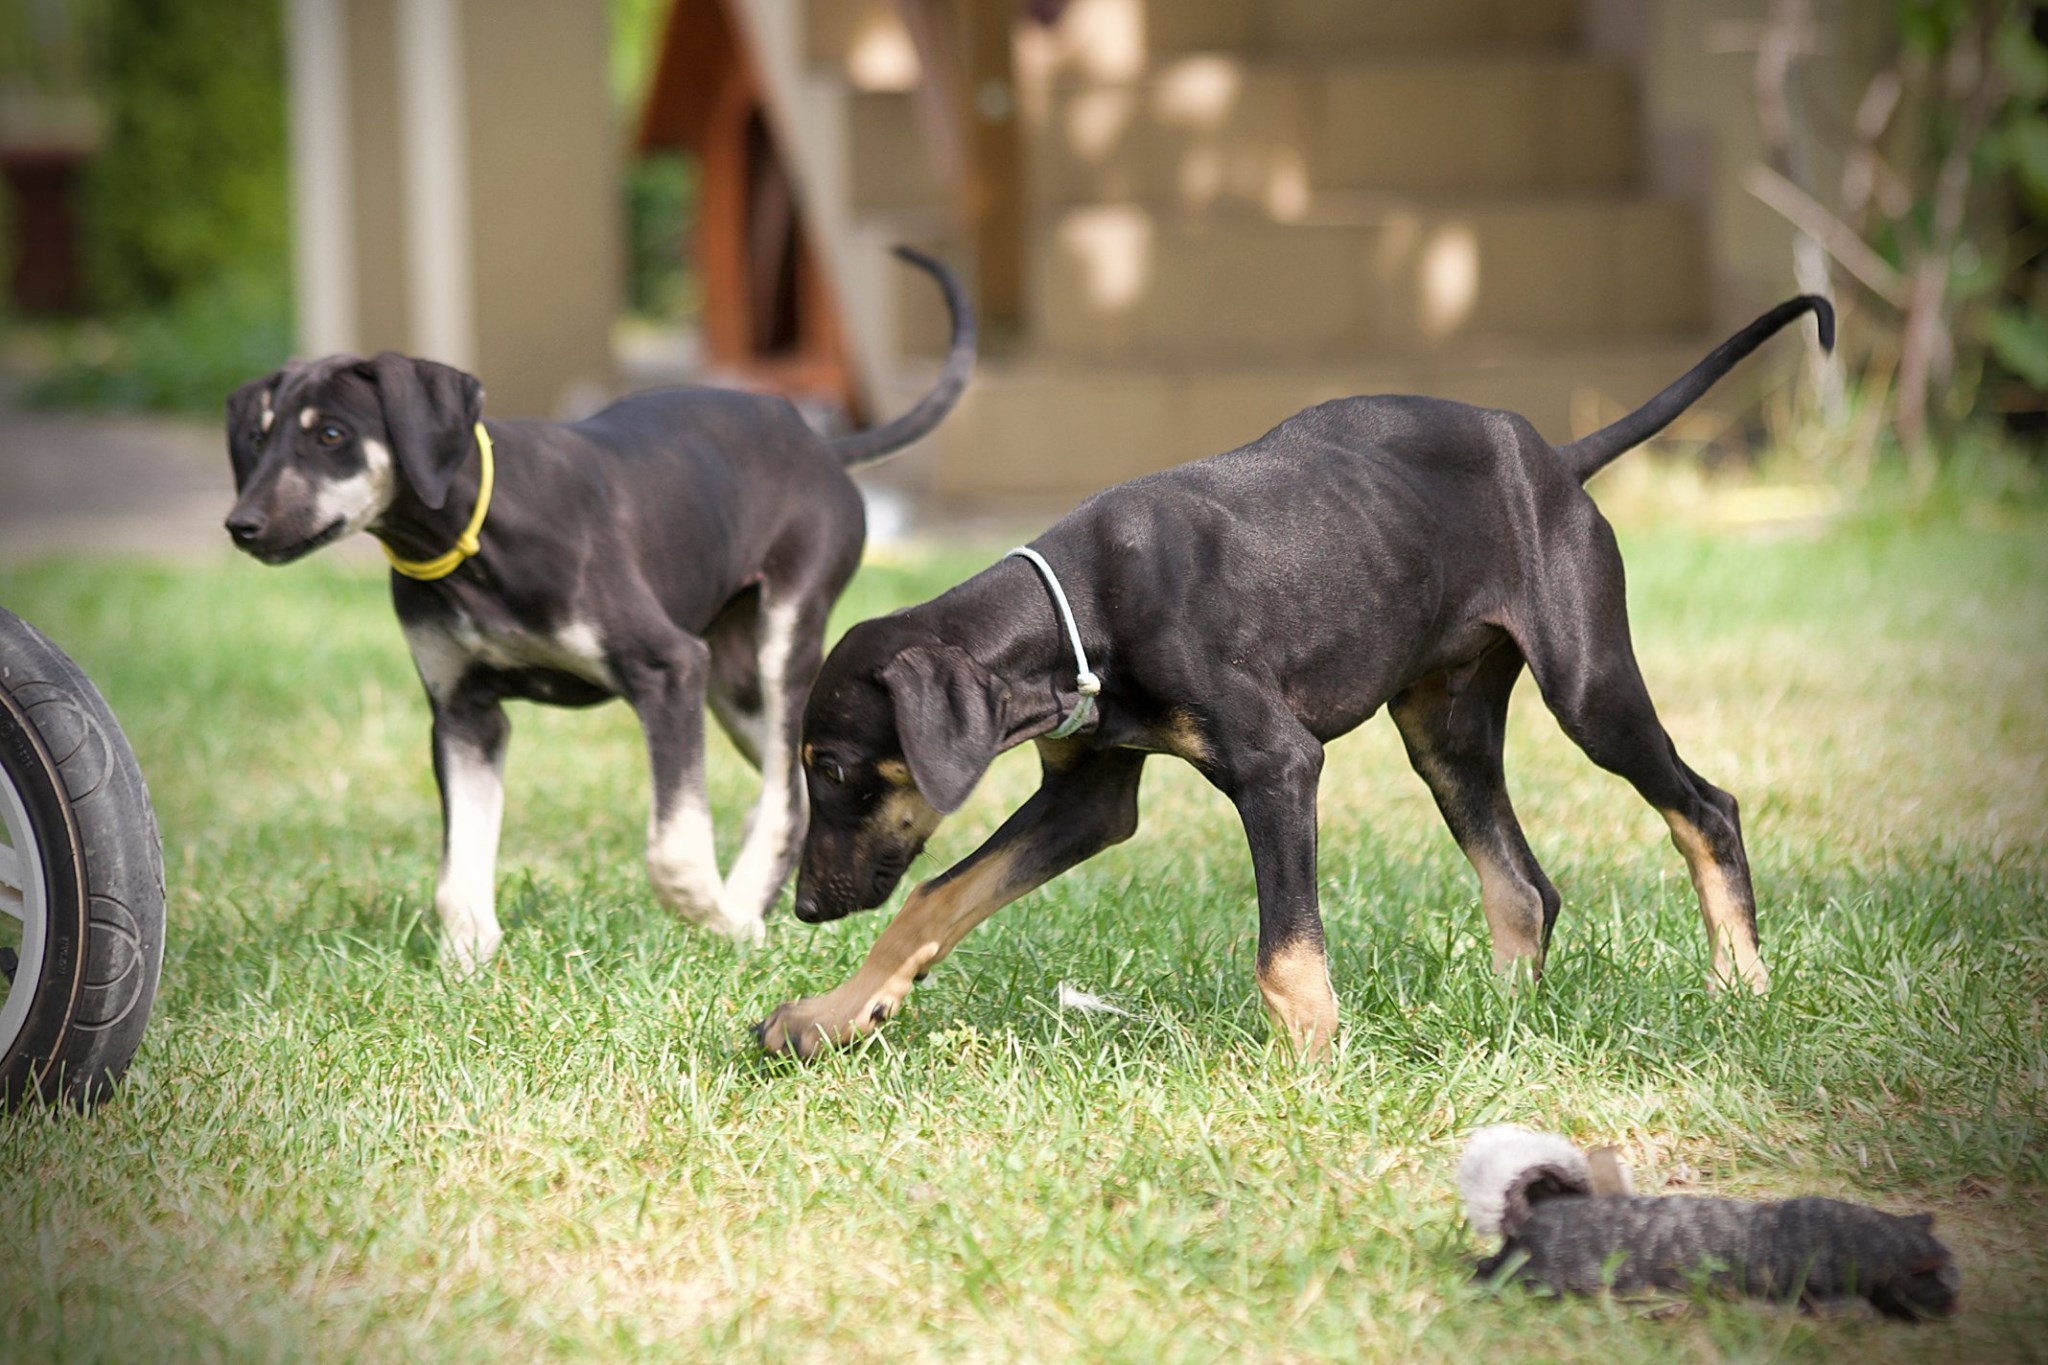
point(661, 209)
point(190, 187)
point(185, 207)
point(1966, 158)
point(637, 27)
point(46, 51)
point(182, 357)
point(660, 187)
point(2017, 329)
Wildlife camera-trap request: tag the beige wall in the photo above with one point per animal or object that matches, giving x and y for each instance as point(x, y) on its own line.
point(544, 203)
point(378, 217)
point(542, 242)
point(1696, 69)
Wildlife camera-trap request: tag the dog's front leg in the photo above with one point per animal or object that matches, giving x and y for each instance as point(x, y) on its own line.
point(1272, 780)
point(1079, 810)
point(470, 731)
point(666, 688)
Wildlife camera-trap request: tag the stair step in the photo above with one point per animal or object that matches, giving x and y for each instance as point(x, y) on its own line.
point(1040, 426)
point(889, 167)
point(1116, 281)
point(865, 39)
point(1279, 134)
point(1204, 129)
point(1322, 25)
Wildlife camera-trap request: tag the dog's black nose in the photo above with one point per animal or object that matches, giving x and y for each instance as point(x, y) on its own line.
point(245, 526)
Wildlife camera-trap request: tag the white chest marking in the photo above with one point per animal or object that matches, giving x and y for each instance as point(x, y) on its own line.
point(443, 652)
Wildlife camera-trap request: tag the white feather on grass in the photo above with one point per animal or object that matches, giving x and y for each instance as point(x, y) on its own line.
point(1074, 998)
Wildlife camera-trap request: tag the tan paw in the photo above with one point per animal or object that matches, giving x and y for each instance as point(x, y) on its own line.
point(804, 1028)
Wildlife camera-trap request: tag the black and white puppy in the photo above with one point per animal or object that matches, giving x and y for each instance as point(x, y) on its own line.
point(678, 546)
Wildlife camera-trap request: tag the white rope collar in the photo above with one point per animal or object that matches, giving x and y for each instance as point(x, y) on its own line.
point(1086, 681)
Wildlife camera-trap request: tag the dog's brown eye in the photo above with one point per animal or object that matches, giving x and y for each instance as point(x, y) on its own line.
point(832, 772)
point(331, 435)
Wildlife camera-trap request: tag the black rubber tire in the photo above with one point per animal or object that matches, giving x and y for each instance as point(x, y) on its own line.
point(103, 872)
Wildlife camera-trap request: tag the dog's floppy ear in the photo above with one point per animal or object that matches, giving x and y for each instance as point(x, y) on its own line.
point(245, 425)
point(429, 409)
point(950, 716)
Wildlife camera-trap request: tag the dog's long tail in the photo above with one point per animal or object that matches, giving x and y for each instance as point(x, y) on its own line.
point(862, 446)
point(1589, 454)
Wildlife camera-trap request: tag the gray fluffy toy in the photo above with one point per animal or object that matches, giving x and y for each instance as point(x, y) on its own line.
point(1570, 1229)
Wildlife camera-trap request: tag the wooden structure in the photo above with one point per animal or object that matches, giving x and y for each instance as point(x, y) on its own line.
point(769, 315)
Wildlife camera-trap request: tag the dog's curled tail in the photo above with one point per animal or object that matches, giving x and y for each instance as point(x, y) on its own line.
point(1588, 455)
point(860, 447)
point(1508, 1169)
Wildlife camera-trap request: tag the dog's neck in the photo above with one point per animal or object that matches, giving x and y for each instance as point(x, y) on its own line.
point(416, 531)
point(1004, 619)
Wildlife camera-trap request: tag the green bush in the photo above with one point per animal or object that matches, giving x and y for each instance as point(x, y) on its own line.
point(661, 206)
point(184, 357)
point(191, 185)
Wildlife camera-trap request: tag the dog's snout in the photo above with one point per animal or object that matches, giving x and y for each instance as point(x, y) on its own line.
point(245, 526)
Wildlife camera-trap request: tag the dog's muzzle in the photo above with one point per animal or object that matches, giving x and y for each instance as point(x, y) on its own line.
point(822, 898)
point(254, 536)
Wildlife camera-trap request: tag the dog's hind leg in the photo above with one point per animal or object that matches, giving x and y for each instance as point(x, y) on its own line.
point(1083, 806)
point(1454, 724)
point(787, 657)
point(1581, 656)
point(470, 731)
point(665, 684)
point(734, 686)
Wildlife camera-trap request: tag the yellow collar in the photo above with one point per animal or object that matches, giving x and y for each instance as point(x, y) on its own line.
point(427, 570)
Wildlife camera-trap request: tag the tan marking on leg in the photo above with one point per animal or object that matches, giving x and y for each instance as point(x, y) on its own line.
point(934, 919)
point(1731, 926)
point(1182, 738)
point(1514, 917)
point(1296, 984)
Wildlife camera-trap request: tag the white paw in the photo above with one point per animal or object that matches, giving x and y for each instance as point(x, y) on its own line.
point(748, 933)
point(464, 954)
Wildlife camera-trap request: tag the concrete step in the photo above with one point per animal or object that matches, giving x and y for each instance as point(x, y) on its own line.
point(1279, 133)
point(865, 42)
point(1046, 427)
point(1391, 275)
point(889, 166)
point(1323, 25)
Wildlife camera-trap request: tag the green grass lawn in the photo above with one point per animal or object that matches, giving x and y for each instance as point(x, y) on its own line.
point(329, 1149)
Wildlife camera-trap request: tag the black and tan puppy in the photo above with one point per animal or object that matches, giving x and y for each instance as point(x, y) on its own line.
point(679, 546)
point(1242, 611)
